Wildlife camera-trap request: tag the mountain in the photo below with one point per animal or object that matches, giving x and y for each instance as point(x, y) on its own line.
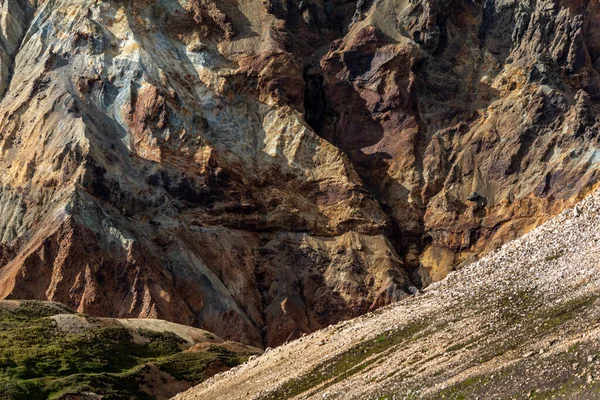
point(519, 323)
point(49, 352)
point(264, 168)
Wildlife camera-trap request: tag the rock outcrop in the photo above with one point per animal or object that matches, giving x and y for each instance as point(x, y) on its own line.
point(153, 168)
point(262, 169)
point(434, 101)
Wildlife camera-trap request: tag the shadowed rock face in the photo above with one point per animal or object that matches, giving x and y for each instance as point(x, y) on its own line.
point(263, 169)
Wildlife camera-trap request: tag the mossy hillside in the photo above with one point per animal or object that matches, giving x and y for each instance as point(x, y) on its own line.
point(37, 361)
point(348, 363)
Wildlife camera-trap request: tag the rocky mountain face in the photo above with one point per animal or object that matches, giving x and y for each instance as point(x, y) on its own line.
point(262, 169)
point(521, 323)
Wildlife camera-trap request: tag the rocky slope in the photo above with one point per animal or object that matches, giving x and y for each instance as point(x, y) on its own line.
point(49, 352)
point(262, 169)
point(521, 323)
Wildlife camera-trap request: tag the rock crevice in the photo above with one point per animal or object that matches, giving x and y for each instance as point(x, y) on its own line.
point(263, 170)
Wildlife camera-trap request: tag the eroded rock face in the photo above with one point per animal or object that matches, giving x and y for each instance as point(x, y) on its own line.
point(153, 167)
point(471, 122)
point(263, 169)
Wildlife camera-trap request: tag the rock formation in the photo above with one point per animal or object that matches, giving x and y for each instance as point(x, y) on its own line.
point(261, 169)
point(519, 323)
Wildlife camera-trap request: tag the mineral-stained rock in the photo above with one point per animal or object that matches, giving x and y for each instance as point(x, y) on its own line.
point(435, 100)
point(262, 169)
point(156, 172)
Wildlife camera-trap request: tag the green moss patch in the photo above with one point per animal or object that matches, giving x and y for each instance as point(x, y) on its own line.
point(191, 367)
point(348, 363)
point(38, 361)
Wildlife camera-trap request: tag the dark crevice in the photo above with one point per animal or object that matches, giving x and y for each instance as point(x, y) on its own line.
point(262, 285)
point(323, 118)
point(315, 100)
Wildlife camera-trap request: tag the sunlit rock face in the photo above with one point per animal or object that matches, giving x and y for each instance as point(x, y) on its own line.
point(261, 169)
point(153, 166)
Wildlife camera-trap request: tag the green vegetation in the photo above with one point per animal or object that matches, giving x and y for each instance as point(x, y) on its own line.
point(565, 311)
point(538, 319)
point(464, 389)
point(535, 317)
point(463, 344)
point(347, 364)
point(512, 381)
point(515, 308)
point(573, 388)
point(554, 256)
point(191, 366)
point(37, 361)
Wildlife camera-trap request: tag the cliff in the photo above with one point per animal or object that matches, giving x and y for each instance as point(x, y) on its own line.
point(262, 169)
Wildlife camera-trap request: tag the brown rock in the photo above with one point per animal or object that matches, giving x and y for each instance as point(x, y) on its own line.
point(264, 169)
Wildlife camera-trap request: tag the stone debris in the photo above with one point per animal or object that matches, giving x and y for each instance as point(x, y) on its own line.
point(526, 325)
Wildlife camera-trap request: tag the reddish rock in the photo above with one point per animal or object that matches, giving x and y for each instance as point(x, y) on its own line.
point(264, 169)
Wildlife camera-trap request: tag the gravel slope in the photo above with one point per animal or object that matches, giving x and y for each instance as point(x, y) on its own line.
point(523, 322)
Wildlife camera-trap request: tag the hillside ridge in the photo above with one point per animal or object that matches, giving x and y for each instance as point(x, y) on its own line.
point(47, 351)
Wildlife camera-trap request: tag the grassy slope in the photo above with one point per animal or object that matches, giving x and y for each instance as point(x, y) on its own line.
point(37, 361)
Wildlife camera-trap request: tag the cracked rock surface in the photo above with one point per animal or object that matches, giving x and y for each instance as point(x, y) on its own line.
point(262, 169)
point(519, 323)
